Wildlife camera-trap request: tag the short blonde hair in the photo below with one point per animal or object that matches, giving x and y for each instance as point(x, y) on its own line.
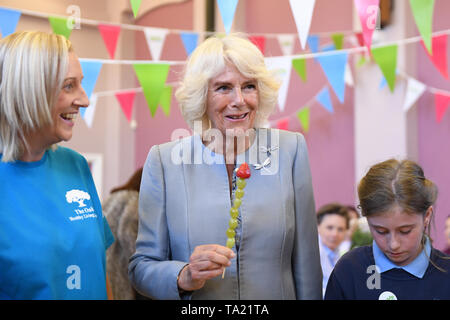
point(208, 60)
point(33, 65)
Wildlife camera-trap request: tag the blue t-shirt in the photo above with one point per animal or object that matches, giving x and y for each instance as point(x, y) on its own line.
point(53, 235)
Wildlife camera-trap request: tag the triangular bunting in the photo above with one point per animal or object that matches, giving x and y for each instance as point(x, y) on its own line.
point(227, 10)
point(423, 16)
point(155, 40)
point(441, 101)
point(59, 26)
point(152, 78)
point(190, 40)
point(439, 57)
point(91, 70)
point(110, 35)
point(334, 67)
point(8, 21)
point(367, 12)
point(135, 5)
point(283, 124)
point(303, 116)
point(166, 99)
point(286, 42)
point(300, 66)
point(338, 40)
point(302, 10)
point(259, 41)
point(414, 90)
point(324, 98)
point(89, 112)
point(386, 58)
point(283, 66)
point(126, 100)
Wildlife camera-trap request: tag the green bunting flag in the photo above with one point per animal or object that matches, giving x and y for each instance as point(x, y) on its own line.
point(303, 116)
point(59, 26)
point(338, 40)
point(300, 66)
point(166, 98)
point(152, 78)
point(386, 58)
point(135, 5)
point(423, 15)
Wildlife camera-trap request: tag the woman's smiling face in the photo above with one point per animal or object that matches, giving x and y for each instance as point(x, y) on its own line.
point(232, 101)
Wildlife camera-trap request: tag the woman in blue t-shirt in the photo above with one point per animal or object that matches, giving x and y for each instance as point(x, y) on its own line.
point(53, 235)
point(397, 200)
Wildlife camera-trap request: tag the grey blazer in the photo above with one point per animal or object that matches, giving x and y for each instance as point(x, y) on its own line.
point(185, 201)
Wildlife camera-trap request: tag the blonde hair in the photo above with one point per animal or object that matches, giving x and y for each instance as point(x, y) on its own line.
point(208, 60)
point(33, 65)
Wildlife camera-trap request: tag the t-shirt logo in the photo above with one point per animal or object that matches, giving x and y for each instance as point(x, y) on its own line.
point(77, 196)
point(387, 295)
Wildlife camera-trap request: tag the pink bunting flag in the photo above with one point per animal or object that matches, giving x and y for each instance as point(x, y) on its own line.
point(110, 35)
point(367, 11)
point(439, 57)
point(126, 100)
point(259, 41)
point(441, 100)
point(283, 124)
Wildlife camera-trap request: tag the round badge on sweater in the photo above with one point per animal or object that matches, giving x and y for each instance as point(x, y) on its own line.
point(387, 295)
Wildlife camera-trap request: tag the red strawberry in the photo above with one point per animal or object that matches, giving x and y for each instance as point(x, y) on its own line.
point(243, 171)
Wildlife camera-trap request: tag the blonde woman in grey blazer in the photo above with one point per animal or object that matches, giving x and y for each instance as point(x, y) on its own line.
point(188, 187)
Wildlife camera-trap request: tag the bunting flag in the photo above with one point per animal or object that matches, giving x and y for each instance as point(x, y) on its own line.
point(282, 66)
point(386, 58)
point(313, 43)
point(302, 10)
point(367, 12)
point(135, 5)
point(324, 98)
point(59, 26)
point(299, 65)
point(303, 116)
point(283, 124)
point(414, 90)
point(423, 16)
point(286, 42)
point(126, 100)
point(110, 35)
point(227, 10)
point(89, 112)
point(190, 40)
point(166, 99)
point(441, 100)
point(333, 66)
point(348, 76)
point(338, 40)
point(8, 21)
point(439, 56)
point(383, 81)
point(152, 78)
point(91, 70)
point(259, 41)
point(155, 40)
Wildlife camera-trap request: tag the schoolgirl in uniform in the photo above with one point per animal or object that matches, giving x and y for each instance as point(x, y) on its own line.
point(401, 264)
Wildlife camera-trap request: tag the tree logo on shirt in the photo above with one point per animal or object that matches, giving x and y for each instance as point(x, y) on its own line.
point(77, 196)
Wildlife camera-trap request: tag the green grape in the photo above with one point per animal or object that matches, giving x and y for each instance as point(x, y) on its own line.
point(231, 233)
point(239, 193)
point(237, 203)
point(230, 242)
point(234, 213)
point(241, 183)
point(233, 223)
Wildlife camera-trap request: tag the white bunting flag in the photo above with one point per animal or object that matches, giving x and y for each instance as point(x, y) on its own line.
point(286, 42)
point(282, 67)
point(155, 40)
point(302, 11)
point(90, 111)
point(348, 76)
point(414, 90)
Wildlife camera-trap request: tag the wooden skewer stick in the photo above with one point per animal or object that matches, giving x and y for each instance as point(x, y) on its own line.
point(223, 273)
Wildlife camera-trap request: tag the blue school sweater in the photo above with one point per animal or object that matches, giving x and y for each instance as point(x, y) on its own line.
point(356, 277)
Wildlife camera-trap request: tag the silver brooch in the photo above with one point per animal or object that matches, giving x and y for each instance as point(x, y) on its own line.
point(266, 162)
